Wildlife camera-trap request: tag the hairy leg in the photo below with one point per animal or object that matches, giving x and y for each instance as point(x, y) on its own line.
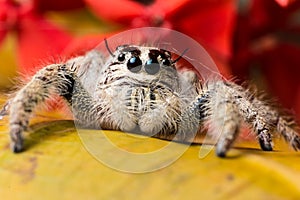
point(223, 117)
point(57, 78)
point(290, 135)
point(263, 119)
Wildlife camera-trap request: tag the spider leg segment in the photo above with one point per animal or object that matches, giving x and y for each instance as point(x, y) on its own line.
point(5, 109)
point(222, 117)
point(238, 105)
point(225, 118)
point(229, 104)
point(230, 128)
point(289, 134)
point(261, 117)
point(56, 78)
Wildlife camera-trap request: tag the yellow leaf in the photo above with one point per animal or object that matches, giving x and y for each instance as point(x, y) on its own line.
point(8, 63)
point(56, 165)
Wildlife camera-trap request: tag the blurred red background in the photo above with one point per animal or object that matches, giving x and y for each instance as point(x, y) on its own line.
point(249, 39)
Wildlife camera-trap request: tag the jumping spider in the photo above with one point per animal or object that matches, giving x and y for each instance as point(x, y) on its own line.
point(140, 89)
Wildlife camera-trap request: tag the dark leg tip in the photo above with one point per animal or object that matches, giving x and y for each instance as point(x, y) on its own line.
point(221, 154)
point(221, 150)
point(265, 146)
point(16, 148)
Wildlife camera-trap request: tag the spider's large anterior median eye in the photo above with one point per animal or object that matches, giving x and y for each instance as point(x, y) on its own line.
point(166, 62)
point(134, 64)
point(152, 66)
point(121, 57)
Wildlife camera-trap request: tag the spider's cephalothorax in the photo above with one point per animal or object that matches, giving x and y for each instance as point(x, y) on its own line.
point(140, 89)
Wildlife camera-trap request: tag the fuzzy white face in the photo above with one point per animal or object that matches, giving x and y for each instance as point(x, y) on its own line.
point(137, 87)
point(142, 65)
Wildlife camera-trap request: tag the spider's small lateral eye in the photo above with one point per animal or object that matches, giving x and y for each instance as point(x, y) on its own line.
point(121, 57)
point(152, 66)
point(166, 62)
point(134, 64)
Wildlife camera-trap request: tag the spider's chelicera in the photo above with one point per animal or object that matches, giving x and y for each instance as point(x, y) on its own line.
point(140, 89)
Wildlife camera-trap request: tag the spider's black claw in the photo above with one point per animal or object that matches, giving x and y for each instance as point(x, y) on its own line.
point(17, 141)
point(265, 146)
point(221, 154)
point(17, 147)
point(265, 140)
point(221, 151)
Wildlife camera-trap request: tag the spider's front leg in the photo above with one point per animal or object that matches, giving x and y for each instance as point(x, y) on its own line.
point(264, 119)
point(219, 114)
point(229, 104)
point(56, 78)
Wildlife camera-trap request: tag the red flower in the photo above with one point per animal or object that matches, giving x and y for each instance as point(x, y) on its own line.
point(57, 5)
point(208, 22)
point(37, 38)
point(266, 43)
point(284, 3)
point(261, 37)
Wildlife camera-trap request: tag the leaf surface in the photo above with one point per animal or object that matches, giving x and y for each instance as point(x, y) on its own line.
point(56, 165)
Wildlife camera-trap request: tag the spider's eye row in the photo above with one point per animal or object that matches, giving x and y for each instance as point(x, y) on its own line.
point(134, 64)
point(152, 66)
point(121, 57)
